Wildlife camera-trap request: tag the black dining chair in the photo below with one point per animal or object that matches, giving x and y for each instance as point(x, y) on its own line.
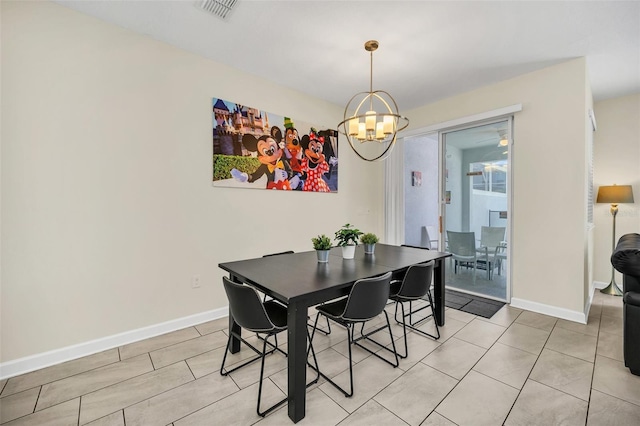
point(415, 285)
point(367, 300)
point(268, 318)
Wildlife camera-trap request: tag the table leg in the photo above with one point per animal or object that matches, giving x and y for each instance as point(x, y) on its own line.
point(297, 359)
point(438, 290)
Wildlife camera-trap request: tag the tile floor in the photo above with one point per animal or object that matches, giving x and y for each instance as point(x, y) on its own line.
point(518, 368)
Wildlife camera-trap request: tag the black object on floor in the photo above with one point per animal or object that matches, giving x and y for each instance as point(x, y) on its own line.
point(472, 304)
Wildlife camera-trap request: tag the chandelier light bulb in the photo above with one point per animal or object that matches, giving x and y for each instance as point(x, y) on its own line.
point(353, 127)
point(371, 120)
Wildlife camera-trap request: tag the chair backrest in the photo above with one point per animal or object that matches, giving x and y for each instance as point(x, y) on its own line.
point(429, 237)
point(492, 236)
point(277, 254)
point(417, 281)
point(368, 298)
point(462, 243)
point(425, 237)
point(246, 308)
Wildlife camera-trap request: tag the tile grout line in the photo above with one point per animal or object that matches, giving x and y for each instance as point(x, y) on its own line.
point(519, 390)
point(151, 360)
point(593, 372)
point(476, 363)
point(42, 384)
point(472, 367)
point(530, 371)
point(37, 399)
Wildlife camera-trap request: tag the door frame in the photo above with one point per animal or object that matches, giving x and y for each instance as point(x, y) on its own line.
point(394, 177)
point(442, 188)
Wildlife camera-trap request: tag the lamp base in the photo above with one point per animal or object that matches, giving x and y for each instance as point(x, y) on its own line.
point(612, 289)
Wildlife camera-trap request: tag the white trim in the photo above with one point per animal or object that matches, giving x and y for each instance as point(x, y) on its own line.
point(587, 306)
point(487, 115)
point(394, 196)
point(599, 285)
point(57, 356)
point(592, 116)
point(553, 311)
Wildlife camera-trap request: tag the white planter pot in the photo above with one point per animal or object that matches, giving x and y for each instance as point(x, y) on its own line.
point(348, 252)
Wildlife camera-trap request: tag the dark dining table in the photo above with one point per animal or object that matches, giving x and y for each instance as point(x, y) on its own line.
point(299, 281)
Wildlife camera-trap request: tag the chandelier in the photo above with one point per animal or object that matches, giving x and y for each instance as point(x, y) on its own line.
point(372, 117)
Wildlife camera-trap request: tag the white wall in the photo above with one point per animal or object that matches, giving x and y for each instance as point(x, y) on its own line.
point(617, 160)
point(107, 203)
point(549, 179)
point(421, 202)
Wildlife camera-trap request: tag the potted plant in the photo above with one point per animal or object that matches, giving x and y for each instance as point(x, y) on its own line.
point(347, 238)
point(369, 240)
point(322, 245)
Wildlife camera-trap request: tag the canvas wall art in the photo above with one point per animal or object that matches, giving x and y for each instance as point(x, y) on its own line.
point(257, 149)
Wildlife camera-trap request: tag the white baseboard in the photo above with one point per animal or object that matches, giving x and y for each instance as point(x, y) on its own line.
point(587, 306)
point(553, 311)
point(599, 285)
point(57, 356)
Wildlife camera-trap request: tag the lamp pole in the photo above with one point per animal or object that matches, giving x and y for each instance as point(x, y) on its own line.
point(613, 288)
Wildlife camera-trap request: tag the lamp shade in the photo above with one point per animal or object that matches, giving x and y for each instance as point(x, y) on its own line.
point(615, 194)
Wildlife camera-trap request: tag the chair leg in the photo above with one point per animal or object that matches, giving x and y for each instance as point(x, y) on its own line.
point(282, 401)
point(277, 404)
point(366, 337)
point(404, 330)
point(410, 312)
point(352, 341)
point(315, 360)
point(224, 372)
point(349, 340)
point(488, 266)
point(274, 347)
point(433, 314)
point(325, 332)
point(413, 325)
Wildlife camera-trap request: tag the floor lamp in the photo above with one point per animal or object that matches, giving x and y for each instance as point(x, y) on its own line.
point(614, 195)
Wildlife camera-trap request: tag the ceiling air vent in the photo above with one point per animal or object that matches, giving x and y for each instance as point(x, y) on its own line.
point(220, 8)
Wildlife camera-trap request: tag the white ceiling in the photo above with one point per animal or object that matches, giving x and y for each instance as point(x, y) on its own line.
point(429, 50)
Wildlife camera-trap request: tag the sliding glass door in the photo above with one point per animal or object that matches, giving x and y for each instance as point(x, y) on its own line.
point(475, 207)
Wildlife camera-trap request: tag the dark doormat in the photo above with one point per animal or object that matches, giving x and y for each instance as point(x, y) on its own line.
point(472, 304)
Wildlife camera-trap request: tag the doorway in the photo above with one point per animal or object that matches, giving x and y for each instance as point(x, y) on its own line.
point(475, 207)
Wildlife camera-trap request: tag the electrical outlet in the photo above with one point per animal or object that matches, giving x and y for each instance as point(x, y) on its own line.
point(195, 281)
